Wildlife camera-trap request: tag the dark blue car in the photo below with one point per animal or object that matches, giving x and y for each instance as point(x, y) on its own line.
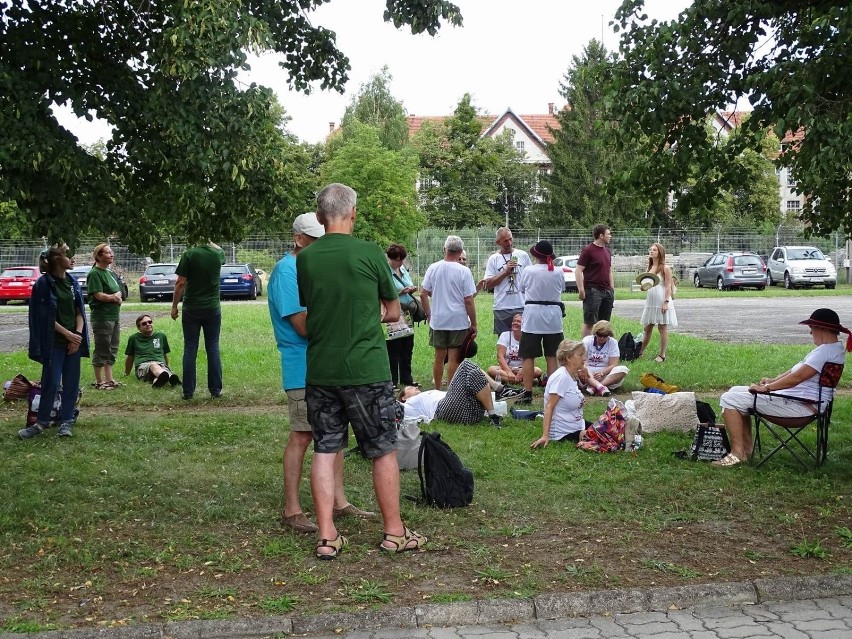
point(239, 281)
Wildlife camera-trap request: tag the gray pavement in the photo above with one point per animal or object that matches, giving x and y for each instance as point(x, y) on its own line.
point(818, 607)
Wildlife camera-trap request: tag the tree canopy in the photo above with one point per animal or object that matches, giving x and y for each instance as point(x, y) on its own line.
point(790, 58)
point(585, 155)
point(468, 180)
point(193, 151)
point(384, 180)
point(376, 106)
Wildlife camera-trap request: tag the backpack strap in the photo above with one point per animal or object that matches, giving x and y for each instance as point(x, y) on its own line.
point(421, 455)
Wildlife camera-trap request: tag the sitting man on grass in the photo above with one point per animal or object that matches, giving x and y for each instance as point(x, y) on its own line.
point(148, 353)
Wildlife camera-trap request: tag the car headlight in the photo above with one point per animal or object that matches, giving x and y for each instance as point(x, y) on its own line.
point(798, 270)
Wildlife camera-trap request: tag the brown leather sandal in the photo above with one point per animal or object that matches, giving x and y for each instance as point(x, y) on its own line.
point(401, 542)
point(336, 545)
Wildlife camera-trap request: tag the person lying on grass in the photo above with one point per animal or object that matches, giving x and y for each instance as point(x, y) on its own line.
point(466, 401)
point(148, 354)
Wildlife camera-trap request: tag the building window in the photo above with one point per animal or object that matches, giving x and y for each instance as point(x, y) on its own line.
point(519, 145)
point(794, 205)
point(791, 181)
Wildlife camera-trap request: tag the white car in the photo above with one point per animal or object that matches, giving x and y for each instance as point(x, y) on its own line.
point(568, 264)
point(800, 266)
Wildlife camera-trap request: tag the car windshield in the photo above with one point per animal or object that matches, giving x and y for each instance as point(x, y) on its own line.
point(807, 253)
point(80, 270)
point(161, 270)
point(18, 272)
point(747, 260)
point(230, 269)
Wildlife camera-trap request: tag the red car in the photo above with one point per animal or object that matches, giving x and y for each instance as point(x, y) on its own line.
point(16, 283)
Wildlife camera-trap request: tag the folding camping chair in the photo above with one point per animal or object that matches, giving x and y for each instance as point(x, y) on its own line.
point(787, 430)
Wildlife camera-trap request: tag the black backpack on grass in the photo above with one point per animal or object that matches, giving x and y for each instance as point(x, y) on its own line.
point(444, 480)
point(628, 348)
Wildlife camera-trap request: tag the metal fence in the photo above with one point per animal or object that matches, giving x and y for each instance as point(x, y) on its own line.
point(686, 249)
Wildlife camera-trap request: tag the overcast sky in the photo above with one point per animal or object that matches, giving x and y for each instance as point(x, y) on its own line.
point(507, 54)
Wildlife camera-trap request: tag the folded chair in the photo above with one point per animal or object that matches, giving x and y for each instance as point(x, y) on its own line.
point(787, 430)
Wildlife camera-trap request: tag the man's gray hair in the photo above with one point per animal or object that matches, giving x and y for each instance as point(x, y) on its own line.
point(336, 201)
point(501, 231)
point(453, 244)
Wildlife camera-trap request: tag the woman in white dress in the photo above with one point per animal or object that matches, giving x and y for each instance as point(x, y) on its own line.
point(659, 306)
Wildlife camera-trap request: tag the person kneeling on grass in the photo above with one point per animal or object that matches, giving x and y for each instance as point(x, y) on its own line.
point(148, 353)
point(466, 400)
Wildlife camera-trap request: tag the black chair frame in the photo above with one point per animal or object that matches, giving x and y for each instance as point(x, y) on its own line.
point(787, 430)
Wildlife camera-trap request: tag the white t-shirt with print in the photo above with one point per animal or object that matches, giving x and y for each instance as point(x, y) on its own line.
point(507, 295)
point(597, 358)
point(508, 341)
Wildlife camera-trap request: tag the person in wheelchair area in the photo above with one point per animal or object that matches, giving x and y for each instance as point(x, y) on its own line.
point(800, 381)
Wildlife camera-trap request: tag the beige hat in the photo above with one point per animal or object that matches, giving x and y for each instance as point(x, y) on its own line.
point(307, 224)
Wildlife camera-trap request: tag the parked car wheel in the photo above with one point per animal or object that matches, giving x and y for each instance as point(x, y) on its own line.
point(720, 284)
point(829, 286)
point(769, 279)
point(253, 294)
point(697, 281)
point(788, 283)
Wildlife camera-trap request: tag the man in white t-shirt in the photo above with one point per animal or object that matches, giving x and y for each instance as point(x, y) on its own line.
point(501, 275)
point(447, 293)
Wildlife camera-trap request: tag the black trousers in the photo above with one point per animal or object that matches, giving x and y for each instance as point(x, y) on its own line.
point(400, 352)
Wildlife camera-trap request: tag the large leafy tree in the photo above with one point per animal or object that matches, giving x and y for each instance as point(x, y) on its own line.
point(384, 180)
point(790, 58)
point(470, 180)
point(586, 156)
point(192, 149)
point(375, 105)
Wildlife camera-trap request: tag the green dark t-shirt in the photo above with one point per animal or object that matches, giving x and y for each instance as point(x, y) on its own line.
point(341, 280)
point(101, 280)
point(200, 265)
point(147, 349)
point(65, 313)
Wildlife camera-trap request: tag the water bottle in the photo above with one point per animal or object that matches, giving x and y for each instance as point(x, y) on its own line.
point(637, 442)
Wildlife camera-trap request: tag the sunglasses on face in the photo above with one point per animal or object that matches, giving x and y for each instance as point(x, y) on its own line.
point(149, 322)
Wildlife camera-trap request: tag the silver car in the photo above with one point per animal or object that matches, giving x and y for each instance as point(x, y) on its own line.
point(157, 282)
point(568, 264)
point(732, 270)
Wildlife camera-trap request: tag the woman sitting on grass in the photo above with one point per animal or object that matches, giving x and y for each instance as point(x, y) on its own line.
point(800, 381)
point(563, 401)
point(602, 372)
point(509, 367)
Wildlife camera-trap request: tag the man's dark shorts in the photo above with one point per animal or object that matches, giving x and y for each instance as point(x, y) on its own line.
point(503, 319)
point(534, 345)
point(598, 305)
point(371, 409)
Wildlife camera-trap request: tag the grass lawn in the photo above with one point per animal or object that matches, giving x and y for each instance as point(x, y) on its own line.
point(160, 509)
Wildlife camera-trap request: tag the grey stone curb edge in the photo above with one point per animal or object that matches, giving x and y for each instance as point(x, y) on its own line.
point(488, 611)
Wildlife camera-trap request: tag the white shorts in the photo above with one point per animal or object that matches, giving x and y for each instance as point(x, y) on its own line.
point(741, 400)
point(615, 371)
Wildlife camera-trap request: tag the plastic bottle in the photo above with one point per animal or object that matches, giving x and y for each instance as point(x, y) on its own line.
point(637, 442)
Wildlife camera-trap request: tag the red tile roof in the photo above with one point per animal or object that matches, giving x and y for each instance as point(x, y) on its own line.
point(537, 123)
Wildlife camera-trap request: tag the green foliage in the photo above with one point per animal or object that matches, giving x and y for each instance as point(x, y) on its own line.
point(845, 535)
point(807, 548)
point(790, 59)
point(384, 180)
point(375, 105)
point(586, 155)
point(193, 152)
point(468, 180)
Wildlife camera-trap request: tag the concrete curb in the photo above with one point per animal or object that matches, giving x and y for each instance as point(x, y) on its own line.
point(487, 611)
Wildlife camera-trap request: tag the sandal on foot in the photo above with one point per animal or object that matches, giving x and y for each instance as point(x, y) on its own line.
point(603, 391)
point(336, 545)
point(728, 460)
point(660, 359)
point(104, 386)
point(403, 542)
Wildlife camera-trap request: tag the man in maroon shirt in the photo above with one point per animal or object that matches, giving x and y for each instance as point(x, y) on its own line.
point(594, 279)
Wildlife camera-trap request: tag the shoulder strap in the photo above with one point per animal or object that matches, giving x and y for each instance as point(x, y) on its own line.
point(421, 454)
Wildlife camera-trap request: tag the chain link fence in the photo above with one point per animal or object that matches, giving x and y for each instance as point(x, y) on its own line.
point(686, 249)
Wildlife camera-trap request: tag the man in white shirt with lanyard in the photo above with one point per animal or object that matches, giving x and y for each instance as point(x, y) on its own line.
point(501, 275)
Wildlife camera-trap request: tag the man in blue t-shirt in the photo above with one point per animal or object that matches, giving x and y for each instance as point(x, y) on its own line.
point(289, 320)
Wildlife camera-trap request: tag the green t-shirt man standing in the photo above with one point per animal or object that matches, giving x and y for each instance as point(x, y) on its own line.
point(198, 284)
